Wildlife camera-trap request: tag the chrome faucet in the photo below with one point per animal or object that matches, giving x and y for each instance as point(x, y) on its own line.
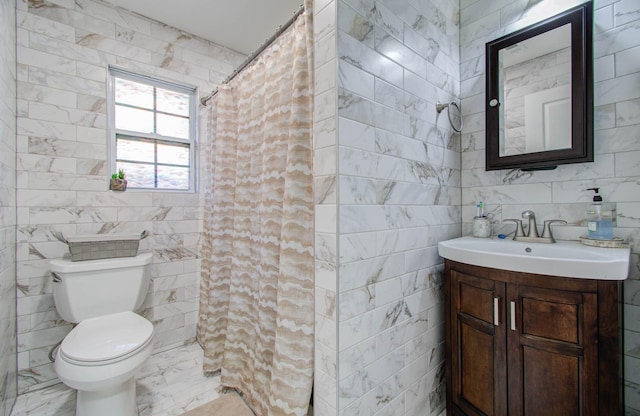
point(532, 234)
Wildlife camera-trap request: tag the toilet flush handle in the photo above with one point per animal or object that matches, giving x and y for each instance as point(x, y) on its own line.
point(56, 278)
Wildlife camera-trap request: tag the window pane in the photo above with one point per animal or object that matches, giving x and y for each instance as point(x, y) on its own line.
point(171, 177)
point(138, 150)
point(173, 102)
point(138, 175)
point(134, 119)
point(173, 154)
point(134, 93)
point(172, 126)
point(152, 128)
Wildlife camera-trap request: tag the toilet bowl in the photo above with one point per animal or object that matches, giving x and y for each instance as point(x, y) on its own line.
point(102, 354)
point(100, 358)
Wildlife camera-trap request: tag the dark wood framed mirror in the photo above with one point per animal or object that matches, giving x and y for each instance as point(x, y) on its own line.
point(539, 94)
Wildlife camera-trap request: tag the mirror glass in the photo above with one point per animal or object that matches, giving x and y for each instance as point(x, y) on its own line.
point(539, 94)
point(536, 93)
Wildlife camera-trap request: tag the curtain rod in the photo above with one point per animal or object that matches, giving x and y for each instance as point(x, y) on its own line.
point(254, 55)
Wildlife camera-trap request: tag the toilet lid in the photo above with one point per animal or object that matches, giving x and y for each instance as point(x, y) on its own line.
point(106, 337)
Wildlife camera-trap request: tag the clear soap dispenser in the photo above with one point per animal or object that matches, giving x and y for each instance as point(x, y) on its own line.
point(600, 218)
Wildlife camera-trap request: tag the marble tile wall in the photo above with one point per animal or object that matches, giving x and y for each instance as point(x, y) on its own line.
point(8, 358)
point(63, 49)
point(325, 398)
point(560, 193)
point(398, 193)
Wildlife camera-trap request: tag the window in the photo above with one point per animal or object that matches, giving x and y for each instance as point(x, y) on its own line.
point(152, 131)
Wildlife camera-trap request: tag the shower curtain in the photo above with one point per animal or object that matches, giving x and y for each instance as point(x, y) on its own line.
point(256, 298)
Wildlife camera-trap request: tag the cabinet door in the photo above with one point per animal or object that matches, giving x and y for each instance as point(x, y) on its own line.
point(477, 332)
point(553, 352)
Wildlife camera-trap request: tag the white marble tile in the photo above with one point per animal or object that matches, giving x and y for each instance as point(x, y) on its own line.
point(325, 394)
point(627, 112)
point(325, 218)
point(422, 258)
point(324, 133)
point(419, 86)
point(602, 3)
point(434, 384)
point(355, 134)
point(325, 105)
point(356, 302)
point(400, 334)
point(324, 20)
point(35, 58)
point(369, 60)
point(89, 71)
point(169, 383)
point(325, 189)
point(326, 332)
point(368, 112)
point(604, 117)
point(325, 77)
point(626, 61)
point(9, 360)
point(480, 27)
point(617, 39)
point(366, 272)
point(40, 24)
point(603, 18)
point(354, 247)
point(356, 23)
point(627, 164)
point(626, 11)
point(366, 379)
point(621, 190)
point(628, 216)
point(617, 89)
point(395, 50)
point(325, 303)
point(325, 49)
point(357, 357)
point(325, 274)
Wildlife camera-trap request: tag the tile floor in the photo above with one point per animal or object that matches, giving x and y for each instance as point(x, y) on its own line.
point(169, 384)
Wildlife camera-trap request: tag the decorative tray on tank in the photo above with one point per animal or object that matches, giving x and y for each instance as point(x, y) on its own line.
point(616, 242)
point(103, 246)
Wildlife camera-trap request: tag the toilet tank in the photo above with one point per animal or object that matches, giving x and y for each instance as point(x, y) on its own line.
point(86, 289)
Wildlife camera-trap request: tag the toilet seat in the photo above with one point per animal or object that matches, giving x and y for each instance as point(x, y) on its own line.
point(106, 339)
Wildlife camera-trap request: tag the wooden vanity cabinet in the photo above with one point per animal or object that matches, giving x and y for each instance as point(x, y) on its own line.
point(530, 345)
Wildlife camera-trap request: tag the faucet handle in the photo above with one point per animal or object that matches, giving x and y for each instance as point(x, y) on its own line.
point(519, 230)
point(546, 232)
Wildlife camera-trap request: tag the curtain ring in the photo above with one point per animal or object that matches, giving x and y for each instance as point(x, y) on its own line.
point(440, 106)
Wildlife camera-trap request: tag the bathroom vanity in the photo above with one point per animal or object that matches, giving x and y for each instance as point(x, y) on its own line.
point(527, 344)
point(524, 343)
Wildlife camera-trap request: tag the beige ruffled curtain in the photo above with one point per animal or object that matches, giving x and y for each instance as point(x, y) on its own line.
point(256, 299)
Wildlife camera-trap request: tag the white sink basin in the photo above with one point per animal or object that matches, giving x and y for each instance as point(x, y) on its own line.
point(564, 258)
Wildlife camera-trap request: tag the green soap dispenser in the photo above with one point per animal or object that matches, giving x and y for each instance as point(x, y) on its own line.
point(600, 218)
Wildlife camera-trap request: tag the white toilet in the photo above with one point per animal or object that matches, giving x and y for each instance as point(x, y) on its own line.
point(102, 354)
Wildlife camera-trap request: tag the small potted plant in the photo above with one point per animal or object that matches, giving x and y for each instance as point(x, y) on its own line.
point(118, 182)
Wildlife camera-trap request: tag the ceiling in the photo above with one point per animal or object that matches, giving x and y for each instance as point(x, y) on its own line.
point(241, 25)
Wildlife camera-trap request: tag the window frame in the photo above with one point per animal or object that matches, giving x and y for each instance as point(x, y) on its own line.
point(112, 132)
